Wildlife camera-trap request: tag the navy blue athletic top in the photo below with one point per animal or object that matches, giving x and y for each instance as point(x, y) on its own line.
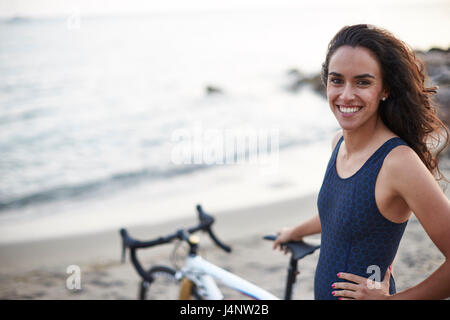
point(355, 235)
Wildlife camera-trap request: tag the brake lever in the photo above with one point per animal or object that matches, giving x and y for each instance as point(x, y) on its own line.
point(204, 218)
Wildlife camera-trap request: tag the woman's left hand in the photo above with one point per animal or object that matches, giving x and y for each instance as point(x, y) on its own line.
point(361, 288)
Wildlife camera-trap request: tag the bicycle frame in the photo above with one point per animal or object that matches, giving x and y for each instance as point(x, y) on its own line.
point(204, 274)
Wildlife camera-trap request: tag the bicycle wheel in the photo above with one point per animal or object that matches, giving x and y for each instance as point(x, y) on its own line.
point(164, 286)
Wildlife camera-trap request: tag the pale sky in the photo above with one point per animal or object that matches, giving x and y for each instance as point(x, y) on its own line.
point(11, 8)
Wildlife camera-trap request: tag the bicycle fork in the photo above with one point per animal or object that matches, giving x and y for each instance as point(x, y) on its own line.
point(185, 289)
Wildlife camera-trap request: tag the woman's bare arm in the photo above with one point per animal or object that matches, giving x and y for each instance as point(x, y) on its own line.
point(417, 186)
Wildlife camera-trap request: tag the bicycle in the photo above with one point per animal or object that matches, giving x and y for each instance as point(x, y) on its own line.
point(198, 278)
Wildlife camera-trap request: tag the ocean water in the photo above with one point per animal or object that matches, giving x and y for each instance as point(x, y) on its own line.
point(94, 109)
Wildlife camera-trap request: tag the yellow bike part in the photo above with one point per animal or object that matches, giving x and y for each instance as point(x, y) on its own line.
point(185, 289)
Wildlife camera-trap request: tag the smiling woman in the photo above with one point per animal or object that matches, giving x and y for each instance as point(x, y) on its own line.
point(381, 169)
point(354, 87)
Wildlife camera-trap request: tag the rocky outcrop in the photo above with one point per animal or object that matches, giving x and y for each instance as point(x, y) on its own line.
point(437, 64)
point(297, 80)
point(212, 90)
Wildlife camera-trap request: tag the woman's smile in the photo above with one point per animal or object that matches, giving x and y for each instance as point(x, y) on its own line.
point(348, 110)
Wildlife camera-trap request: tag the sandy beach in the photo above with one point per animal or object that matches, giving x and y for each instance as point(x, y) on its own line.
point(38, 270)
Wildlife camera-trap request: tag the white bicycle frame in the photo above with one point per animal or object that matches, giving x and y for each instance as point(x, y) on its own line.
point(205, 274)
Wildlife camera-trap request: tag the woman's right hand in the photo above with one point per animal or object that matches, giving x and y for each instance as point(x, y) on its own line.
point(285, 235)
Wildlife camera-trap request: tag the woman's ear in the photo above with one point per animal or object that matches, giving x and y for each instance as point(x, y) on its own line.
point(384, 94)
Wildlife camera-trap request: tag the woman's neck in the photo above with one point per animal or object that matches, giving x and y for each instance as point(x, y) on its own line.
point(365, 137)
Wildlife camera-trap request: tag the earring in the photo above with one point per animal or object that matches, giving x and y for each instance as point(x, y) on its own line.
point(383, 99)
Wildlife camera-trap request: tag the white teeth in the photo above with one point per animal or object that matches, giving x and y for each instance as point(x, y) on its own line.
point(349, 110)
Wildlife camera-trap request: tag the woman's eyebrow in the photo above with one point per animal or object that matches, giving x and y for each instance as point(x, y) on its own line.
point(335, 74)
point(360, 76)
point(364, 75)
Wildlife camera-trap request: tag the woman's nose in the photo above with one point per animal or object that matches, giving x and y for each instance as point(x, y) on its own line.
point(347, 93)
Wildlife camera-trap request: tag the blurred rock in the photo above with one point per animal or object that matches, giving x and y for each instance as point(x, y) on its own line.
point(210, 90)
point(437, 65)
point(296, 80)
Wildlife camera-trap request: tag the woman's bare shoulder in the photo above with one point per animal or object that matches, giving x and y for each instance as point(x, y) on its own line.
point(403, 158)
point(402, 153)
point(405, 168)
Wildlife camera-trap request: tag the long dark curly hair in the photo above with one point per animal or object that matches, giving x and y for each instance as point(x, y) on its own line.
point(409, 111)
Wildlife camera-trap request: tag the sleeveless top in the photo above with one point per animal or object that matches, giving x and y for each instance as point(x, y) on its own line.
point(355, 238)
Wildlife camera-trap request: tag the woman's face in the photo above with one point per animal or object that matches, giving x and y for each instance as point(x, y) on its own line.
point(354, 87)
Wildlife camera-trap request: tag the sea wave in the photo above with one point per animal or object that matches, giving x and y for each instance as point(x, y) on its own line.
point(123, 180)
point(114, 182)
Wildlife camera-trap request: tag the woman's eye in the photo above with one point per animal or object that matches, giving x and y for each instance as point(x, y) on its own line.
point(336, 81)
point(363, 83)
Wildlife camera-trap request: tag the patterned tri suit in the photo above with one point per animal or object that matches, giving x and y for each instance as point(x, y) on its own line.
point(355, 235)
